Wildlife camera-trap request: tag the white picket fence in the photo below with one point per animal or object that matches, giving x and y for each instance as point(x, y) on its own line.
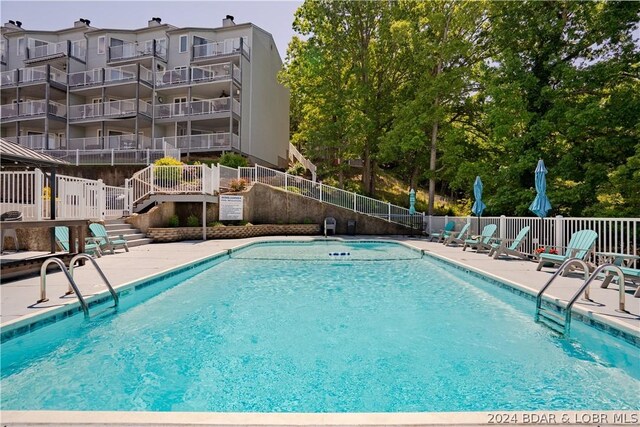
point(617, 235)
point(75, 198)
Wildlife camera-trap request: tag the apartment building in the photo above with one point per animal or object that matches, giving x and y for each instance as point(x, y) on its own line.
point(88, 94)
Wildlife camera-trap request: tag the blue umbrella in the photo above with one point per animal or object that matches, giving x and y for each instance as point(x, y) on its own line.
point(541, 205)
point(412, 202)
point(478, 206)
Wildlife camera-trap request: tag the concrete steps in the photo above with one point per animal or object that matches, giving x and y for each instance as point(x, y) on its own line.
point(133, 236)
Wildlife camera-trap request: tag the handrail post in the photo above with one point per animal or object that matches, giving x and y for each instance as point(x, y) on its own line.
point(38, 178)
point(503, 227)
point(389, 206)
point(559, 232)
point(153, 179)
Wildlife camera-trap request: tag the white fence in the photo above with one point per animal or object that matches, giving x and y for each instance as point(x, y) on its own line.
point(618, 235)
point(30, 192)
point(332, 195)
point(297, 155)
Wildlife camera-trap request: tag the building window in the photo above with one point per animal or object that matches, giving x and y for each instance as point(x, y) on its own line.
point(183, 44)
point(102, 43)
point(21, 46)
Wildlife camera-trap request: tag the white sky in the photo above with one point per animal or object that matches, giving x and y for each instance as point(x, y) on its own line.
point(273, 16)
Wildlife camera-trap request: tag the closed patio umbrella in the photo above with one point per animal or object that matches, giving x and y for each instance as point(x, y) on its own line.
point(478, 206)
point(412, 202)
point(541, 204)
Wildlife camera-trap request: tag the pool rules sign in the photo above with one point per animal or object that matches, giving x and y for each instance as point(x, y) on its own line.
point(231, 207)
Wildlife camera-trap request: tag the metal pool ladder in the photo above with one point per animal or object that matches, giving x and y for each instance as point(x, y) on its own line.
point(73, 287)
point(555, 320)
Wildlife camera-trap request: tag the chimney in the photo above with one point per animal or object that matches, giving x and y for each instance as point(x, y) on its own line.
point(228, 21)
point(154, 22)
point(14, 25)
point(81, 23)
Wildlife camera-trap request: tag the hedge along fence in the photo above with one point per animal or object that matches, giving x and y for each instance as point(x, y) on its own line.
point(160, 235)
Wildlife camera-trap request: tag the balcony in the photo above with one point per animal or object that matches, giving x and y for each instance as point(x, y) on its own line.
point(29, 109)
point(39, 74)
point(135, 50)
point(195, 108)
point(8, 78)
point(77, 49)
point(37, 142)
point(217, 49)
point(205, 142)
point(111, 75)
point(112, 142)
point(112, 109)
point(194, 75)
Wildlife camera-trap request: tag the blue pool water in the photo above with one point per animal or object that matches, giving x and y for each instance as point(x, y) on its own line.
point(378, 330)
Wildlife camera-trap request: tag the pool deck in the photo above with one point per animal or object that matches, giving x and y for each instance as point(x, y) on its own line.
point(18, 298)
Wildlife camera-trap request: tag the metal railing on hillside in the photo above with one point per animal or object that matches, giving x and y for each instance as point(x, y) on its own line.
point(332, 195)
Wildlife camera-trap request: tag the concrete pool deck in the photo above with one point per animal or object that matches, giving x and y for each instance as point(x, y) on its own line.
point(18, 298)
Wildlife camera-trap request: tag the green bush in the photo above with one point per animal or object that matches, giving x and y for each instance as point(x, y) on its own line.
point(216, 224)
point(293, 189)
point(297, 169)
point(233, 160)
point(169, 171)
point(307, 221)
point(174, 221)
point(192, 221)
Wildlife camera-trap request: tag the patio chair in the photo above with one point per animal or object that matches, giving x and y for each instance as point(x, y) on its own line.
point(580, 245)
point(483, 239)
point(62, 239)
point(500, 248)
point(107, 242)
point(630, 274)
point(458, 239)
point(329, 224)
point(444, 233)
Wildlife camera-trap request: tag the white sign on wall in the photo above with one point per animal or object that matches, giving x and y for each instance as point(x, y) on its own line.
point(230, 207)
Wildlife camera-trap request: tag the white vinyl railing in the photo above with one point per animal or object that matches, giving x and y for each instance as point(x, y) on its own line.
point(206, 142)
point(297, 155)
point(226, 47)
point(105, 156)
point(32, 108)
point(47, 50)
point(181, 109)
point(117, 108)
point(618, 235)
point(8, 78)
point(30, 193)
point(182, 179)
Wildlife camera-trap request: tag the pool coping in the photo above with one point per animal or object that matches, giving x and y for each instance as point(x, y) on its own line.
point(324, 419)
point(31, 322)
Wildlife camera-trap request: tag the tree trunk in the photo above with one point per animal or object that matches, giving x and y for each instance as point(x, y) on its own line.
point(432, 166)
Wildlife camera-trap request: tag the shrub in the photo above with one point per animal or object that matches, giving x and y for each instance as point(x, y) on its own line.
point(238, 184)
point(307, 221)
point(216, 224)
point(293, 189)
point(297, 169)
point(170, 172)
point(192, 221)
point(174, 221)
point(233, 160)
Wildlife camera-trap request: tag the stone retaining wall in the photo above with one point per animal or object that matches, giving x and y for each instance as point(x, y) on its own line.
point(232, 232)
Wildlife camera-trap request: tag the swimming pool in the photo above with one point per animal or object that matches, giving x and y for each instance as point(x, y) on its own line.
point(376, 328)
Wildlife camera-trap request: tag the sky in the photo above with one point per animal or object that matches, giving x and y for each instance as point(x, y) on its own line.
point(273, 16)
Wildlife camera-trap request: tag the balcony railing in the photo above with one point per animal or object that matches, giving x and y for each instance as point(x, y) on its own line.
point(8, 78)
point(208, 106)
point(123, 107)
point(137, 50)
point(45, 50)
point(39, 74)
point(216, 72)
point(37, 142)
point(111, 75)
point(205, 142)
point(213, 49)
point(112, 142)
point(32, 108)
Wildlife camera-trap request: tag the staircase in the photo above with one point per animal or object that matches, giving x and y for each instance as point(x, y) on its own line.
point(133, 236)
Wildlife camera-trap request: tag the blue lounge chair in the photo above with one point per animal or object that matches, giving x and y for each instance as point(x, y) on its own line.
point(62, 239)
point(107, 242)
point(459, 239)
point(483, 239)
point(580, 245)
point(444, 233)
point(498, 249)
point(630, 274)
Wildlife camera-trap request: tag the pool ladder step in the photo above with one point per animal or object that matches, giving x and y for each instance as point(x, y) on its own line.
point(561, 322)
